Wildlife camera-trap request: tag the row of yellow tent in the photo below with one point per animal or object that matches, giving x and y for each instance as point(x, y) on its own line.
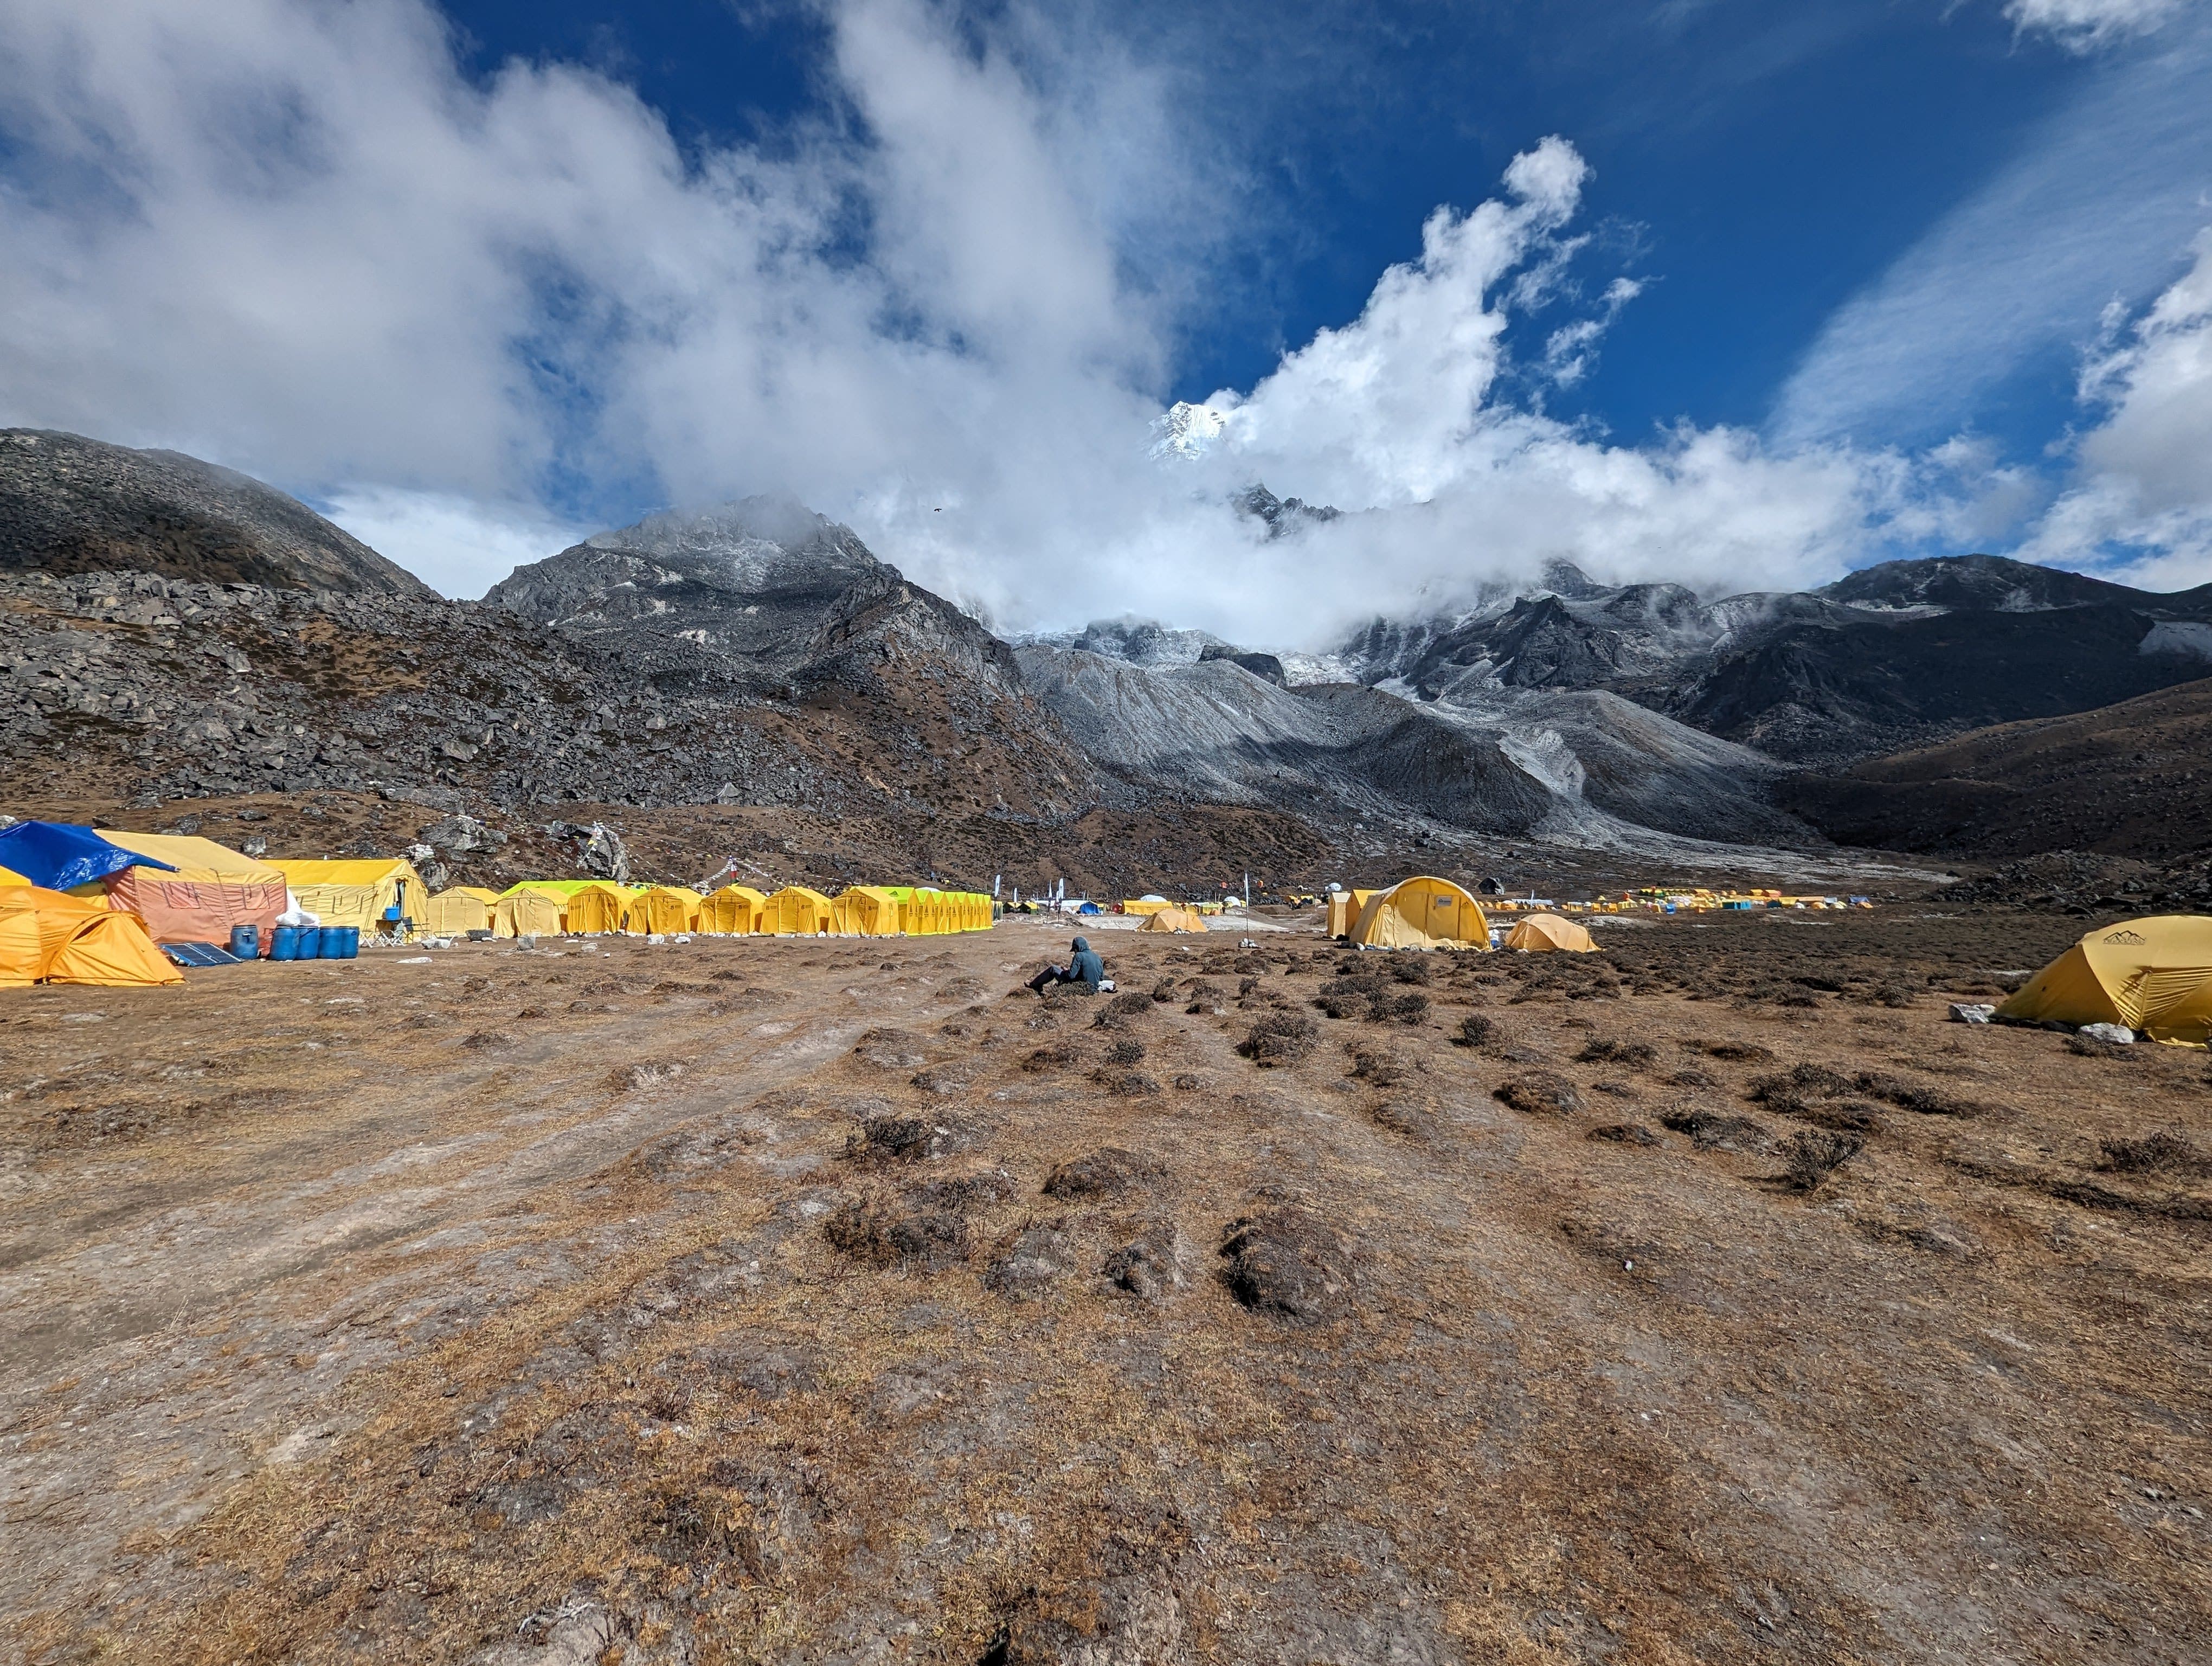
point(1425, 912)
point(585, 907)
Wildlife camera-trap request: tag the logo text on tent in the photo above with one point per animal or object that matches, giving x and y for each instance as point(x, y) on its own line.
point(2123, 937)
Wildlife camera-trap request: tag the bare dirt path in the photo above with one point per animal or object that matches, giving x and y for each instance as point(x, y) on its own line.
point(809, 1300)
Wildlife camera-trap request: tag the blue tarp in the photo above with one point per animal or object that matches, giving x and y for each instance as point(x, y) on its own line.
point(61, 857)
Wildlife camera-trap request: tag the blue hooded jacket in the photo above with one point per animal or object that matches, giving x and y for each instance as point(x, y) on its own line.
point(1086, 965)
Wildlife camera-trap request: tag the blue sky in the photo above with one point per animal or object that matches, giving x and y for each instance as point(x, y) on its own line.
point(1775, 291)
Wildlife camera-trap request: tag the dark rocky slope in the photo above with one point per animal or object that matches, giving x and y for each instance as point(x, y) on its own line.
point(2132, 779)
point(73, 505)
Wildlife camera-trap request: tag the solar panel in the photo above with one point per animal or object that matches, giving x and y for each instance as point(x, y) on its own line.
point(198, 954)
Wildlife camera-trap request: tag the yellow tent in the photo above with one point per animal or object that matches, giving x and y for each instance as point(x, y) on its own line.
point(1146, 905)
point(795, 911)
point(2153, 974)
point(459, 909)
point(212, 889)
point(47, 934)
point(864, 911)
point(732, 911)
point(1381, 926)
point(1422, 912)
point(1542, 931)
point(1344, 910)
point(662, 909)
point(523, 912)
point(361, 891)
point(1430, 908)
point(9, 877)
point(595, 908)
point(111, 951)
point(1174, 920)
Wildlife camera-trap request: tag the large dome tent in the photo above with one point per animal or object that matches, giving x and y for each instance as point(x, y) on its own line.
point(2153, 974)
point(1434, 909)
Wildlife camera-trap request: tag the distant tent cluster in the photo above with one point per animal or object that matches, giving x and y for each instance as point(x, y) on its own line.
point(1425, 912)
point(60, 921)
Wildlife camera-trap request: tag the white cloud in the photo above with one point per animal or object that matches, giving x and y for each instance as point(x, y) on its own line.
point(2084, 25)
point(459, 546)
point(290, 236)
point(2143, 498)
point(2094, 206)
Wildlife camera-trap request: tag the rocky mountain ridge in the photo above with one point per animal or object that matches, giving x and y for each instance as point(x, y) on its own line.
point(1901, 654)
point(72, 505)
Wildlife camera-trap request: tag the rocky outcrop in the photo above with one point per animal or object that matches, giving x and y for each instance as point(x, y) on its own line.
point(183, 689)
point(73, 505)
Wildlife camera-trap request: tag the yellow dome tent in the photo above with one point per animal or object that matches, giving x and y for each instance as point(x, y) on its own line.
point(795, 911)
point(866, 911)
point(664, 909)
point(595, 908)
point(459, 909)
point(1173, 920)
point(1428, 911)
point(211, 889)
point(50, 936)
point(1542, 931)
point(525, 911)
point(2153, 974)
point(111, 951)
point(732, 911)
point(357, 891)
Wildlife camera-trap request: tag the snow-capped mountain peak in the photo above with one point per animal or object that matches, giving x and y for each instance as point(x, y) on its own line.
point(1186, 431)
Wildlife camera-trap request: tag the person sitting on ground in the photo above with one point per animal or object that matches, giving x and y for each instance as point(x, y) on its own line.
point(1085, 968)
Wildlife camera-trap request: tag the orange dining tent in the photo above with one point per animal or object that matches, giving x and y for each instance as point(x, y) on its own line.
point(212, 889)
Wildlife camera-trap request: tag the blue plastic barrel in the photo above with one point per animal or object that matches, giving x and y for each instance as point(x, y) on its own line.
point(311, 944)
point(350, 948)
point(332, 947)
point(245, 942)
point(284, 945)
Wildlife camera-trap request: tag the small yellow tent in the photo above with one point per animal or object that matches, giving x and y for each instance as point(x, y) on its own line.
point(459, 909)
point(525, 912)
point(9, 877)
point(664, 909)
point(1146, 904)
point(795, 911)
point(1173, 920)
point(595, 908)
point(1542, 931)
point(1431, 908)
point(2153, 974)
point(111, 951)
point(47, 934)
point(360, 891)
point(732, 911)
point(864, 911)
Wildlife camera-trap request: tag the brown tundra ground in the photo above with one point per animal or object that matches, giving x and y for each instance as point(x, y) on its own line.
point(1710, 1299)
